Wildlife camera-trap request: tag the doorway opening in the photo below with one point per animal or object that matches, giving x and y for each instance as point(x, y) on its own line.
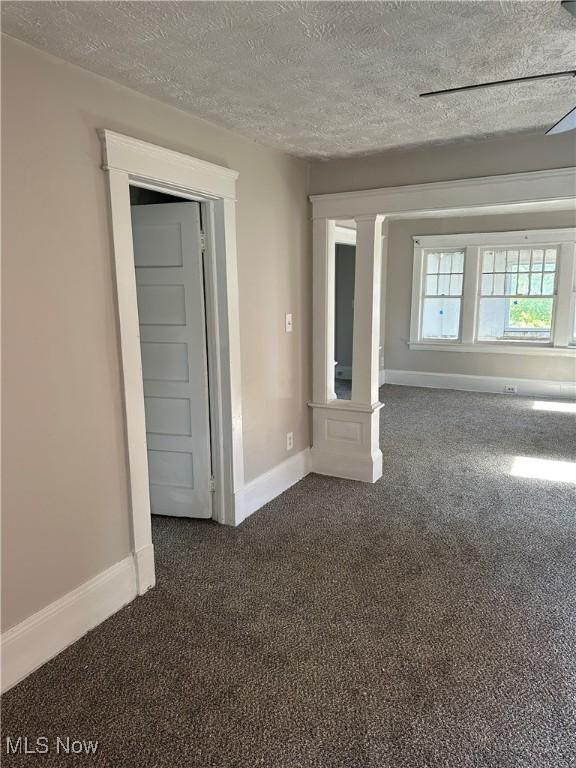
point(344, 286)
point(345, 266)
point(168, 243)
point(130, 162)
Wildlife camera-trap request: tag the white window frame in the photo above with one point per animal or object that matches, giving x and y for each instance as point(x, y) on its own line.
point(561, 342)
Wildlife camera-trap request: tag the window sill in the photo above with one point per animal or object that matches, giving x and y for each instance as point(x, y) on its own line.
point(506, 348)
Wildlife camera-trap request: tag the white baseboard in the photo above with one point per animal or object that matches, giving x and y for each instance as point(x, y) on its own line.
point(266, 487)
point(343, 372)
point(364, 469)
point(46, 633)
point(145, 571)
point(37, 639)
point(526, 387)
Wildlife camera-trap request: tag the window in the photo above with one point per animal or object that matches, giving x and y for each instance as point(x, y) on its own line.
point(442, 297)
point(517, 291)
point(495, 291)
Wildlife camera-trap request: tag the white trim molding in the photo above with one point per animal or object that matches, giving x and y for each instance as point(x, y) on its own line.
point(153, 164)
point(511, 237)
point(514, 192)
point(500, 348)
point(271, 484)
point(128, 161)
point(46, 633)
point(471, 244)
point(495, 384)
point(345, 235)
point(347, 440)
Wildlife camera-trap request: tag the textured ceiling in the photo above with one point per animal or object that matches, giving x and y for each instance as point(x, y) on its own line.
point(323, 79)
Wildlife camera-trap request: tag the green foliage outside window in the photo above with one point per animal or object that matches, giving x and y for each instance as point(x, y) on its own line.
point(531, 313)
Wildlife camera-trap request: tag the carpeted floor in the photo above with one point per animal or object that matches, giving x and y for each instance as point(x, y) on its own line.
point(425, 621)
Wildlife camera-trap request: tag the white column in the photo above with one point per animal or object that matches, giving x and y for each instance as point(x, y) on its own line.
point(367, 291)
point(323, 298)
point(566, 280)
point(470, 288)
point(383, 288)
point(346, 432)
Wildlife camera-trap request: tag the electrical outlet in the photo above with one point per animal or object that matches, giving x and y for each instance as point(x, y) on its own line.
point(289, 441)
point(510, 389)
point(288, 322)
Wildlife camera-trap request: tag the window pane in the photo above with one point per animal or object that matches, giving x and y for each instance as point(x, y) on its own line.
point(524, 265)
point(499, 284)
point(441, 318)
point(488, 261)
point(500, 261)
point(432, 263)
point(445, 262)
point(537, 259)
point(502, 318)
point(443, 284)
point(530, 316)
point(548, 283)
point(491, 318)
point(431, 285)
point(550, 263)
point(458, 261)
point(487, 283)
point(523, 283)
point(535, 283)
point(511, 284)
point(512, 261)
point(456, 285)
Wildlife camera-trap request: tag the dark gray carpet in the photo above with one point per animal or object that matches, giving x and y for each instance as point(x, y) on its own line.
point(428, 620)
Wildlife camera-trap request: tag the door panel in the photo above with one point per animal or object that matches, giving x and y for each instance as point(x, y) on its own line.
point(164, 361)
point(162, 304)
point(170, 288)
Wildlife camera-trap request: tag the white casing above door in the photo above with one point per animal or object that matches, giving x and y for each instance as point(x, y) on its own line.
point(170, 286)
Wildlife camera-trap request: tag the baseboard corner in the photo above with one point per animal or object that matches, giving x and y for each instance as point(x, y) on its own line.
point(272, 483)
point(145, 571)
point(40, 637)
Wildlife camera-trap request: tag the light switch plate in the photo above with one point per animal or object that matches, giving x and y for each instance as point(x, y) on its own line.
point(288, 322)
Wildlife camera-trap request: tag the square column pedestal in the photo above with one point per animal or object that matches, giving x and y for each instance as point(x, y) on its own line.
point(346, 440)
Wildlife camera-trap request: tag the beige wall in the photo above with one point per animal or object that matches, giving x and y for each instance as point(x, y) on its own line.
point(65, 482)
point(398, 300)
point(444, 163)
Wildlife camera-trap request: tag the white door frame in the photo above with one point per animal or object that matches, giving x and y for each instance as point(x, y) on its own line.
point(130, 161)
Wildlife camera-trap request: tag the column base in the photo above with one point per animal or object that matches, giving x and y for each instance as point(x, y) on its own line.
point(346, 440)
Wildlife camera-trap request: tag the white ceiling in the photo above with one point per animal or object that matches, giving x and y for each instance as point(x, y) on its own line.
point(323, 79)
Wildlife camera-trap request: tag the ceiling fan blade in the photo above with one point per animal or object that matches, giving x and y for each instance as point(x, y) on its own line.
point(493, 83)
point(566, 123)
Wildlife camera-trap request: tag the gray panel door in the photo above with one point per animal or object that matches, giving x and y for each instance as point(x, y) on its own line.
point(169, 281)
